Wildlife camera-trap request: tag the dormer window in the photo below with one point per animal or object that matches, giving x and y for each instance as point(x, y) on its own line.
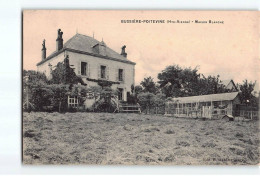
point(100, 48)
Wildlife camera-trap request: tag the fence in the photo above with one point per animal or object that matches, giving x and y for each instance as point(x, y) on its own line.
point(153, 109)
point(253, 115)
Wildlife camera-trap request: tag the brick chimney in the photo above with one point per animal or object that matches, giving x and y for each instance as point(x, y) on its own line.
point(59, 40)
point(123, 51)
point(43, 50)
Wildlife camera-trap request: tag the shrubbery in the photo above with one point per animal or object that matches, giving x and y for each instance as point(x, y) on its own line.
point(152, 103)
point(54, 97)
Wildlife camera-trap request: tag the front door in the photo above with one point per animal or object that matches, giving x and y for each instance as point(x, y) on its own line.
point(120, 94)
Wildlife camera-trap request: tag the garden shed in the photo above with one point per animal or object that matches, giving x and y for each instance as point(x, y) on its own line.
point(212, 106)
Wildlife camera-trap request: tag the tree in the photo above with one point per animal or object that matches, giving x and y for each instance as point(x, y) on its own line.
point(178, 82)
point(35, 93)
point(106, 101)
point(148, 85)
point(138, 89)
point(40, 96)
point(64, 74)
point(159, 102)
point(79, 91)
point(210, 85)
point(146, 100)
point(246, 92)
point(34, 77)
point(60, 96)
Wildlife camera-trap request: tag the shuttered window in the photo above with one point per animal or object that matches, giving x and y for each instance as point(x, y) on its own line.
point(120, 74)
point(103, 72)
point(84, 68)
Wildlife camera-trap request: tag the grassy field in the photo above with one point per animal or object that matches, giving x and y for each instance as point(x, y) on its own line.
point(133, 139)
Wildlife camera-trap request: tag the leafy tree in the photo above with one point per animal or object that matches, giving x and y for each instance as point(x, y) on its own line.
point(34, 77)
point(246, 92)
point(35, 93)
point(148, 85)
point(138, 89)
point(40, 95)
point(146, 100)
point(60, 97)
point(106, 101)
point(176, 81)
point(210, 85)
point(64, 74)
point(80, 91)
point(159, 99)
point(159, 103)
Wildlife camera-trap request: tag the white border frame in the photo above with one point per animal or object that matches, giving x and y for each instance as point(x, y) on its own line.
point(10, 87)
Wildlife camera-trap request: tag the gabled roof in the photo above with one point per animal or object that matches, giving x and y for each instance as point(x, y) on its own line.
point(84, 44)
point(207, 98)
point(226, 82)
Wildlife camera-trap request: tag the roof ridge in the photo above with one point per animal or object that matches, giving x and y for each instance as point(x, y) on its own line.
point(89, 37)
point(212, 94)
point(84, 43)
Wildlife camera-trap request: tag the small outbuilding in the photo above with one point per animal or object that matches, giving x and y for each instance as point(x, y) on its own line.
point(212, 106)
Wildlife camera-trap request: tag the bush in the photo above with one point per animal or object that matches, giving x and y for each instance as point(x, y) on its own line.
point(132, 99)
point(152, 103)
point(106, 101)
point(40, 96)
point(146, 100)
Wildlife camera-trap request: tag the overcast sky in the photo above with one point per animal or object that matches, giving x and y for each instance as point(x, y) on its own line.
point(230, 49)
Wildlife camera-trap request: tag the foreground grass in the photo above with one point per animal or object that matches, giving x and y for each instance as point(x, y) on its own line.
point(103, 138)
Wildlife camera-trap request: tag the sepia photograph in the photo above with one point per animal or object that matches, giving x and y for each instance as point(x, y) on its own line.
point(140, 87)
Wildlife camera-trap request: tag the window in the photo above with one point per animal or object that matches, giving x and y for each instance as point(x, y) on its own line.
point(72, 101)
point(120, 74)
point(120, 94)
point(83, 68)
point(103, 71)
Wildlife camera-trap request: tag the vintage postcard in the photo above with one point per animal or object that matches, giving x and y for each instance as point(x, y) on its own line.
point(140, 87)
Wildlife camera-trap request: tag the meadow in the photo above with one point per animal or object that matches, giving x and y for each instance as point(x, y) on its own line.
point(137, 139)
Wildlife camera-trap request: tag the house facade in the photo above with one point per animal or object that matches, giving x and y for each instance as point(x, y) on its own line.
point(93, 61)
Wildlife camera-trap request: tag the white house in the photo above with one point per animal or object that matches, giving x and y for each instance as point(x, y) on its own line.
point(92, 60)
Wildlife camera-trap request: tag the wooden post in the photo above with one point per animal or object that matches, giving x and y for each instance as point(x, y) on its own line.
point(187, 110)
point(178, 108)
point(231, 112)
point(211, 108)
point(27, 97)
